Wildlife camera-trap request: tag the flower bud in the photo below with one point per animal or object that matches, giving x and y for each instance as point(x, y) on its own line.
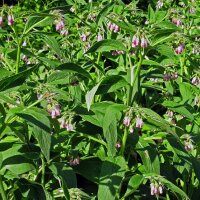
point(53, 114)
point(116, 28)
point(144, 42)
point(127, 121)
point(83, 37)
point(59, 25)
point(196, 101)
point(64, 32)
point(1, 20)
point(135, 41)
point(69, 127)
point(99, 37)
point(139, 123)
point(159, 4)
point(180, 49)
point(118, 145)
point(10, 20)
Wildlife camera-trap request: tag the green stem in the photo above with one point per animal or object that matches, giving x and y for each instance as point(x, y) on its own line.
point(18, 55)
point(43, 171)
point(182, 63)
point(124, 139)
point(133, 81)
point(2, 191)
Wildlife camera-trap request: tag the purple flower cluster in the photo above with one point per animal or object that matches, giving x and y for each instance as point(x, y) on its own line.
point(60, 26)
point(138, 124)
point(156, 189)
point(137, 41)
point(113, 27)
point(54, 110)
point(195, 80)
point(170, 76)
point(66, 124)
point(180, 49)
point(11, 20)
point(117, 52)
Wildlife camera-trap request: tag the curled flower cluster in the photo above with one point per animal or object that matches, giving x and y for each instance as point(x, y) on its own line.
point(156, 188)
point(170, 76)
point(113, 27)
point(54, 110)
point(195, 80)
point(117, 52)
point(137, 41)
point(180, 49)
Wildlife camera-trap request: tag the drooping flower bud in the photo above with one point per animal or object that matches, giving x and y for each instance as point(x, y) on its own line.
point(135, 41)
point(83, 37)
point(116, 28)
point(196, 101)
point(59, 25)
point(159, 4)
point(99, 37)
point(1, 20)
point(189, 146)
point(64, 32)
point(57, 110)
point(118, 145)
point(10, 20)
point(195, 80)
point(144, 42)
point(170, 113)
point(53, 114)
point(139, 123)
point(69, 127)
point(127, 121)
point(167, 77)
point(180, 49)
point(192, 10)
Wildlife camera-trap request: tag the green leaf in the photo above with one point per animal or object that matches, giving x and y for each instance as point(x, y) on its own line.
point(151, 14)
point(90, 95)
point(66, 172)
point(39, 20)
point(157, 120)
point(174, 188)
point(71, 67)
point(104, 12)
point(149, 156)
point(112, 173)
point(16, 79)
point(94, 172)
point(110, 124)
point(186, 92)
point(181, 109)
point(41, 128)
point(107, 45)
point(133, 184)
point(53, 44)
point(111, 84)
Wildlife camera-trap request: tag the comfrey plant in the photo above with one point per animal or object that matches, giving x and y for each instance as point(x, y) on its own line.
point(99, 100)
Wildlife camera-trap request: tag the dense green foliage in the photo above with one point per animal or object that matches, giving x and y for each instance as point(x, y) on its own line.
point(100, 100)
